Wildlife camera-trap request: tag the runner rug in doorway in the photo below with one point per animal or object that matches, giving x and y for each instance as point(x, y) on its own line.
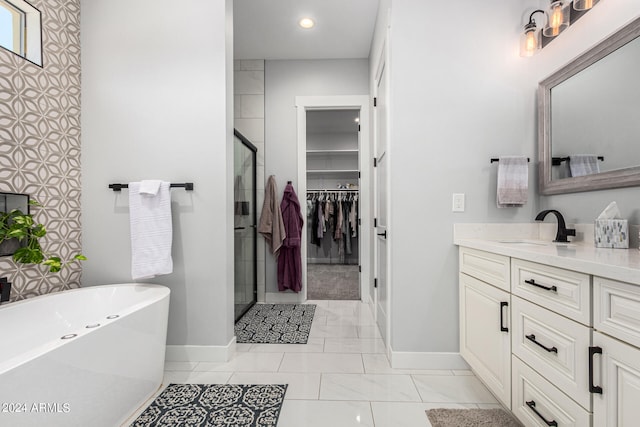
point(442, 417)
point(214, 405)
point(276, 324)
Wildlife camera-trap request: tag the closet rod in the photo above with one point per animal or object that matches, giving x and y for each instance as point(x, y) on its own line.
point(188, 186)
point(334, 191)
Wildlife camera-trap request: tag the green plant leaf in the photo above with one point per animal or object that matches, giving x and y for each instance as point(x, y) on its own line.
point(39, 231)
point(80, 257)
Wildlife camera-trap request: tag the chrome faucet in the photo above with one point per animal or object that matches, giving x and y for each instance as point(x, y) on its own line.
point(563, 231)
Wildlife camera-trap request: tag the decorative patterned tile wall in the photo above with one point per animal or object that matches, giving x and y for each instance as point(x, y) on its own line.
point(40, 144)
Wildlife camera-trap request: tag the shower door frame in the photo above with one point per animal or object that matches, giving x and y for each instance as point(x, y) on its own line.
point(254, 151)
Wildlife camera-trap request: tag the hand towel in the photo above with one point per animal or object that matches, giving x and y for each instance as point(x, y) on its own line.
point(513, 181)
point(150, 186)
point(151, 231)
point(271, 225)
point(583, 164)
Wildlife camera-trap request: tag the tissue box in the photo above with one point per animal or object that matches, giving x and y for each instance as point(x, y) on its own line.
point(611, 233)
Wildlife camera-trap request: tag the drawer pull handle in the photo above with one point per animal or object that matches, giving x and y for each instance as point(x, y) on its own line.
point(502, 327)
point(532, 338)
point(593, 388)
point(538, 285)
point(531, 404)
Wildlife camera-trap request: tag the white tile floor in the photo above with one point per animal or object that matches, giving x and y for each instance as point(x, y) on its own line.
point(342, 377)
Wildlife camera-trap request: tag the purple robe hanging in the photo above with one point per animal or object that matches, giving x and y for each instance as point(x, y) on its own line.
point(289, 259)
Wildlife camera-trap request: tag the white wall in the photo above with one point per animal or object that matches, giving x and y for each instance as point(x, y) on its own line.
point(157, 102)
point(284, 80)
point(460, 94)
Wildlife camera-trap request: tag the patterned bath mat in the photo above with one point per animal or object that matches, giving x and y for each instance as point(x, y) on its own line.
point(442, 417)
point(276, 324)
point(214, 405)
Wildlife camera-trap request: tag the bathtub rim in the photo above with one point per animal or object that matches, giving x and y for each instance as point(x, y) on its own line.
point(40, 348)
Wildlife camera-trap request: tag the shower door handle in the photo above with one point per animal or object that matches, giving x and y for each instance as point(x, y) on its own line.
point(383, 234)
point(239, 228)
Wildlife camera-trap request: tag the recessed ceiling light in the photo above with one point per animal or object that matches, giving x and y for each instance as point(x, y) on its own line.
point(306, 23)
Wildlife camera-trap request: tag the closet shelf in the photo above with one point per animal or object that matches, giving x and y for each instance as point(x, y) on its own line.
point(329, 171)
point(354, 151)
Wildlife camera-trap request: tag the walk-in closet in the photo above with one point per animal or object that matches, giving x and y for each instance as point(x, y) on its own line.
point(333, 204)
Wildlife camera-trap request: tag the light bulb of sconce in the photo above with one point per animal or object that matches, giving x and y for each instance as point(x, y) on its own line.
point(529, 41)
point(584, 4)
point(558, 19)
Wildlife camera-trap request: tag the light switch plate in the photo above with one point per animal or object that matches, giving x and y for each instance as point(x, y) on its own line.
point(458, 202)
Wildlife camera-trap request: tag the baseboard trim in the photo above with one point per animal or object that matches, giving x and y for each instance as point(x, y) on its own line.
point(201, 353)
point(426, 360)
point(283, 298)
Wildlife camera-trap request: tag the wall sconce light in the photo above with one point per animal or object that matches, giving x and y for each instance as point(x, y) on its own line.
point(530, 40)
point(559, 16)
point(558, 19)
point(584, 4)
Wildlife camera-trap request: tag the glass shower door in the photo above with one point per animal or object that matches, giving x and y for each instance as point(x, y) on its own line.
point(244, 225)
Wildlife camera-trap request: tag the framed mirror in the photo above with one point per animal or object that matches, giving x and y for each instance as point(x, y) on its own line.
point(589, 118)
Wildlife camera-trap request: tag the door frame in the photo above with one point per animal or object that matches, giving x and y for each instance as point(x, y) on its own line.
point(339, 102)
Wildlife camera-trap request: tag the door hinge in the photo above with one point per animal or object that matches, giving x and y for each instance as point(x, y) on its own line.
point(358, 128)
point(375, 283)
point(375, 222)
point(359, 269)
point(359, 221)
point(358, 174)
point(375, 101)
point(375, 162)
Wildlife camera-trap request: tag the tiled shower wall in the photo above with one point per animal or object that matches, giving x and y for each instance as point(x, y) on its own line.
point(40, 144)
point(249, 120)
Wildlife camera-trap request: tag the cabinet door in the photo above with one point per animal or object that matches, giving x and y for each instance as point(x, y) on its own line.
point(484, 334)
point(617, 371)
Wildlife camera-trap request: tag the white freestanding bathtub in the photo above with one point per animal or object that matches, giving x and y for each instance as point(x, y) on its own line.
point(83, 357)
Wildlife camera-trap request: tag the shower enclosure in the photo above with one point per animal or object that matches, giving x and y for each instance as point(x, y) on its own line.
point(245, 229)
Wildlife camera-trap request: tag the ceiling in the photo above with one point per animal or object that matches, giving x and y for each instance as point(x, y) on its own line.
point(268, 29)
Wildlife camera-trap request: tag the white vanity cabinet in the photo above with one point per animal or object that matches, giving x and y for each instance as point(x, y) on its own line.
point(615, 354)
point(485, 341)
point(564, 343)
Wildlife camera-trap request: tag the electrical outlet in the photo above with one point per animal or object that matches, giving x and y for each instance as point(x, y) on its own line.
point(458, 202)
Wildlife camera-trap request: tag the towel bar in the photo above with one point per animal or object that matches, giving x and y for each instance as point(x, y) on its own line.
point(495, 159)
point(557, 161)
point(188, 186)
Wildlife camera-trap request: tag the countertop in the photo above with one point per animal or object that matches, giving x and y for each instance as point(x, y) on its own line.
point(529, 245)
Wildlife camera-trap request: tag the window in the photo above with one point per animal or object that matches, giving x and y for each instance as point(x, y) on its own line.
point(20, 29)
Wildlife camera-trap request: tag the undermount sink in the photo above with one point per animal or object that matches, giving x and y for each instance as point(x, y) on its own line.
point(524, 242)
point(532, 242)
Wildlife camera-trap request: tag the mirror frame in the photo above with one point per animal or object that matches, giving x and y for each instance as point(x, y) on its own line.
point(626, 177)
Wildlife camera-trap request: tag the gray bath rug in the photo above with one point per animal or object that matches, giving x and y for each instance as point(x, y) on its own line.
point(214, 405)
point(276, 324)
point(333, 282)
point(471, 418)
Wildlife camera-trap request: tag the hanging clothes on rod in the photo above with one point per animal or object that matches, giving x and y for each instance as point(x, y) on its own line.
point(333, 216)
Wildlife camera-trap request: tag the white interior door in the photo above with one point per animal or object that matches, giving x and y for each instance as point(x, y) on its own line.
point(381, 173)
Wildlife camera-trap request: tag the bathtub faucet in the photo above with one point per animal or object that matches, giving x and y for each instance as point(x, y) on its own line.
point(5, 289)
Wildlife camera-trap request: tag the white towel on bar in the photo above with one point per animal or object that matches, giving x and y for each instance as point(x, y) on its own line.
point(150, 186)
point(583, 164)
point(151, 231)
point(513, 181)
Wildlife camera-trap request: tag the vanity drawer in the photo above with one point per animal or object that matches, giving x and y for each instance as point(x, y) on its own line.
point(537, 402)
point(554, 346)
point(490, 268)
point(563, 291)
point(616, 309)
